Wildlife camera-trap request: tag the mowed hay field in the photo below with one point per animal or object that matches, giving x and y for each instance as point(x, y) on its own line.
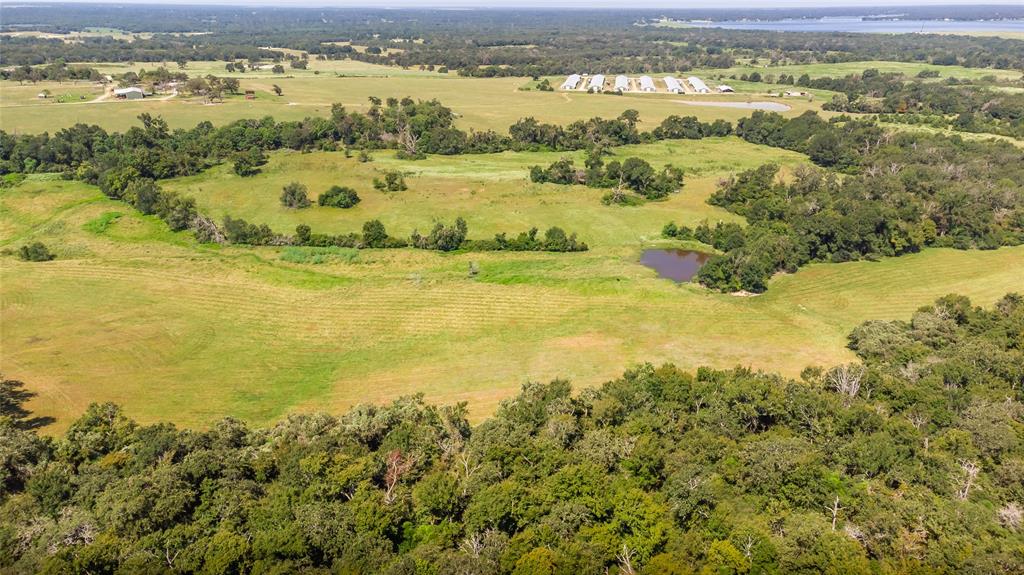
point(481, 103)
point(188, 333)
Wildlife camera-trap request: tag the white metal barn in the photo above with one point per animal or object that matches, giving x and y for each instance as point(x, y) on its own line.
point(133, 93)
point(596, 83)
point(673, 85)
point(646, 84)
point(571, 82)
point(724, 88)
point(698, 85)
point(621, 83)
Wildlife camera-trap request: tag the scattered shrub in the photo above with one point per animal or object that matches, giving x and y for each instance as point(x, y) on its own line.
point(339, 197)
point(295, 196)
point(35, 252)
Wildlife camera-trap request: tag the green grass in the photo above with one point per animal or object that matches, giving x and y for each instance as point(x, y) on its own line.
point(491, 191)
point(100, 224)
point(315, 255)
point(181, 332)
point(481, 103)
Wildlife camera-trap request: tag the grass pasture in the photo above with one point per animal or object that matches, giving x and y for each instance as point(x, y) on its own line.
point(482, 103)
point(491, 191)
point(175, 331)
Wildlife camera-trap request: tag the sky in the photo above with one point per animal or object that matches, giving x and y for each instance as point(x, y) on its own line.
point(679, 4)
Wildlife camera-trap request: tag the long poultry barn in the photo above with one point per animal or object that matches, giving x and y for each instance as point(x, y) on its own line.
point(698, 85)
point(621, 83)
point(596, 83)
point(571, 82)
point(673, 85)
point(646, 84)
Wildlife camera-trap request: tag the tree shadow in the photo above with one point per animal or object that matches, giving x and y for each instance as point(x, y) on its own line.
point(13, 397)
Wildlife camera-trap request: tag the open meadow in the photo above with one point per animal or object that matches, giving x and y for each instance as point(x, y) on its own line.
point(173, 330)
point(481, 103)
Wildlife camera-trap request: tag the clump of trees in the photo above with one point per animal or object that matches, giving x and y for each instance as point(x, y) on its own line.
point(442, 237)
point(248, 163)
point(634, 174)
point(948, 104)
point(145, 195)
point(35, 252)
point(339, 197)
point(295, 196)
point(904, 192)
point(393, 181)
point(555, 240)
point(909, 457)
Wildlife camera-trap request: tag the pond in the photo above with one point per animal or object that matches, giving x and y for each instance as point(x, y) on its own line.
point(674, 264)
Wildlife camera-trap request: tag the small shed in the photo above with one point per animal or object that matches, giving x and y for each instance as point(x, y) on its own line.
point(43, 95)
point(250, 94)
point(726, 89)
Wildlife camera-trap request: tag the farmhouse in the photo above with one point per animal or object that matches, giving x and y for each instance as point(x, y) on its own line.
point(596, 83)
point(673, 85)
point(698, 85)
point(621, 83)
point(133, 93)
point(571, 82)
point(726, 89)
point(646, 84)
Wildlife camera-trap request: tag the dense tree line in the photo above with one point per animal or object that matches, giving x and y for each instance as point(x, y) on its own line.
point(442, 237)
point(906, 461)
point(904, 192)
point(951, 103)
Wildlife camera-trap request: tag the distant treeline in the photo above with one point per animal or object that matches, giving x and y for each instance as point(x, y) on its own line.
point(477, 43)
point(908, 460)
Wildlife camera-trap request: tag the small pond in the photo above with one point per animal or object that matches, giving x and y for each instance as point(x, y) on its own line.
point(674, 264)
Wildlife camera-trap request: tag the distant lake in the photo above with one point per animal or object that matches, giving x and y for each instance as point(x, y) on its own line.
point(674, 264)
point(858, 24)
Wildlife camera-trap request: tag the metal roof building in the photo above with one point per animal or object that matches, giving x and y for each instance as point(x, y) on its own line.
point(673, 85)
point(725, 88)
point(571, 82)
point(646, 84)
point(132, 93)
point(698, 85)
point(621, 83)
point(596, 83)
